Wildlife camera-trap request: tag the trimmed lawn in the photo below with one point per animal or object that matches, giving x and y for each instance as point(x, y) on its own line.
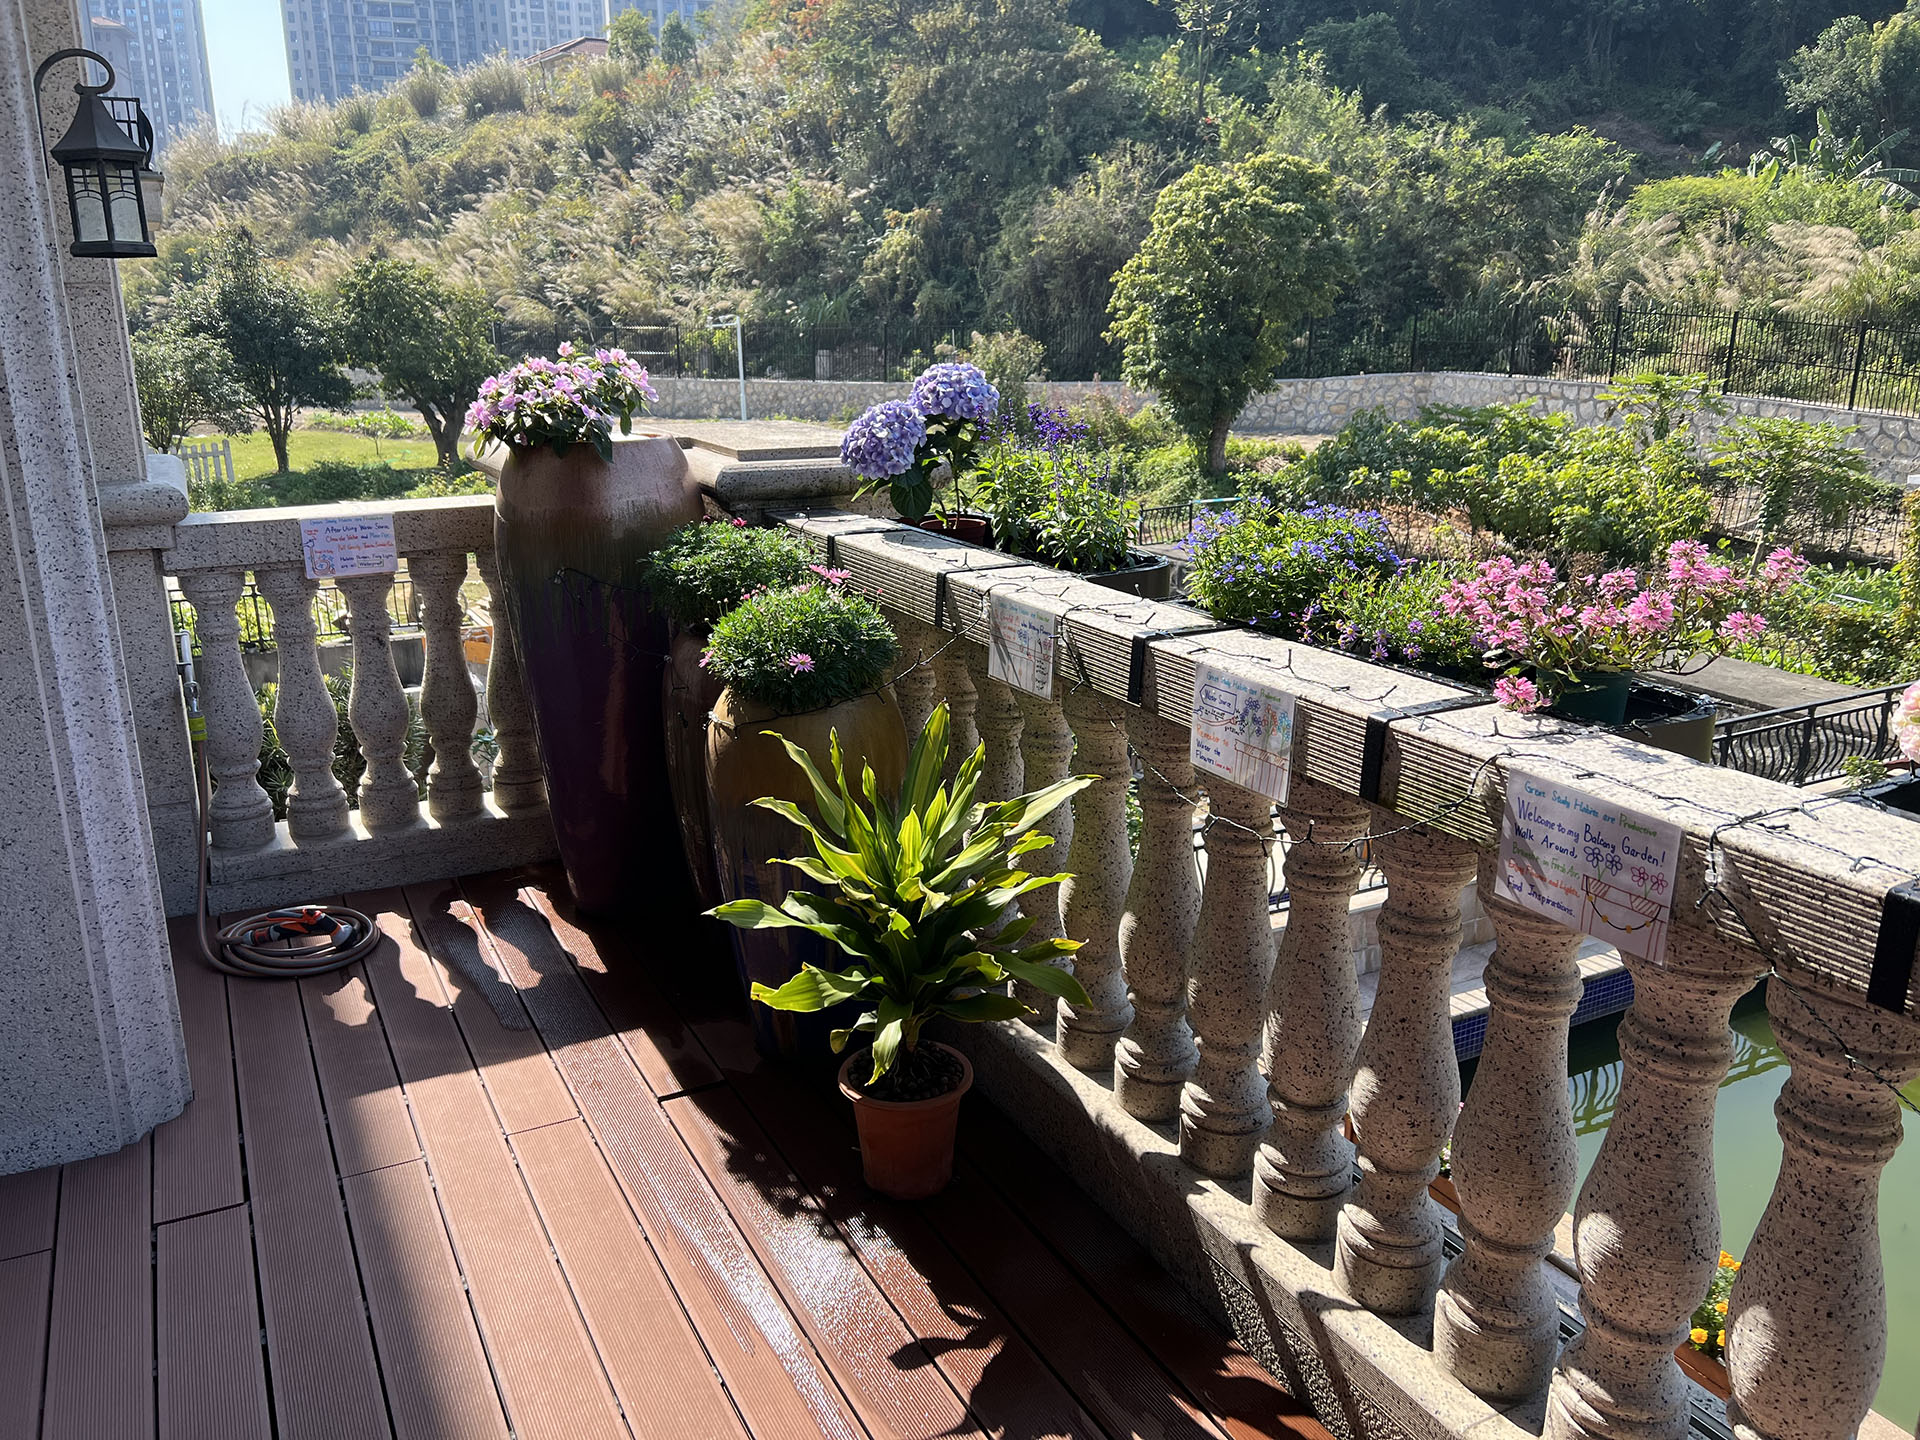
point(253, 454)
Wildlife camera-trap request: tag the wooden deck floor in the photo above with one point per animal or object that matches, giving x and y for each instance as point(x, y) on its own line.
point(498, 1181)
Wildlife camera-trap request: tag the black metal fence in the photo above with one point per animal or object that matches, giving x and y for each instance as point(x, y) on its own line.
point(1853, 363)
point(1805, 744)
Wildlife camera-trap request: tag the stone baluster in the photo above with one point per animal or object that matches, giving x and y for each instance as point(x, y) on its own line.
point(1406, 1085)
point(304, 715)
point(377, 706)
point(1046, 758)
point(518, 784)
point(956, 688)
point(240, 815)
point(1495, 1323)
point(1807, 1322)
point(914, 680)
point(1647, 1226)
point(1101, 863)
point(1303, 1172)
point(997, 719)
point(1223, 1109)
point(447, 702)
point(1155, 1059)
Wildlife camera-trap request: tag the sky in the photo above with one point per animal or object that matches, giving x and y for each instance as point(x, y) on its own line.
point(248, 57)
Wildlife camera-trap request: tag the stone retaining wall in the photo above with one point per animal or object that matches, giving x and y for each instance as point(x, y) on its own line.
point(1297, 407)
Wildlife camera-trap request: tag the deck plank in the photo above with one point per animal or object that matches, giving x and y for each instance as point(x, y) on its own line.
point(665, 1048)
point(548, 1371)
point(771, 1369)
point(1007, 1386)
point(26, 1282)
point(438, 1384)
point(637, 1322)
point(196, 1155)
point(879, 1362)
point(325, 1383)
point(1106, 1368)
point(99, 1378)
point(28, 1203)
point(1244, 1399)
point(211, 1381)
point(366, 1112)
point(513, 1061)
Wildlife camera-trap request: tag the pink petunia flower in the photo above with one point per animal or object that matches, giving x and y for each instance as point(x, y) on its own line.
point(1516, 692)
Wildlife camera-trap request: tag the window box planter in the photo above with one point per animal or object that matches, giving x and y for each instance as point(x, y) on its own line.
point(1901, 793)
point(1148, 576)
point(1660, 716)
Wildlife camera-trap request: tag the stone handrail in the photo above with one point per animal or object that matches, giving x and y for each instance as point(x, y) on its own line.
point(394, 835)
point(1212, 1080)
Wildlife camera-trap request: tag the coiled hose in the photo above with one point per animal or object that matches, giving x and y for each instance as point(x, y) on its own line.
point(287, 944)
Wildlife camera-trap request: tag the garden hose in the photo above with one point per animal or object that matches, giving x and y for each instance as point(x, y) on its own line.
point(285, 944)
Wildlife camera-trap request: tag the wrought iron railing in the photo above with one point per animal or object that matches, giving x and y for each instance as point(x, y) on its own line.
point(1806, 744)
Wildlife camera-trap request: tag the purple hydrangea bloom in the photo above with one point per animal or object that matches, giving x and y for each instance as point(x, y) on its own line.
point(881, 443)
point(955, 392)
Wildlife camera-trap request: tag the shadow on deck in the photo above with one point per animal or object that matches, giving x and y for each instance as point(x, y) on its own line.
point(520, 1173)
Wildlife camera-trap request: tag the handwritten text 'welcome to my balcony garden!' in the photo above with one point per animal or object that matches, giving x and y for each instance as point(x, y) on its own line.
point(1588, 863)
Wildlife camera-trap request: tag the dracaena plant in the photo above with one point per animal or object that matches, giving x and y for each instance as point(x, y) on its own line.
point(911, 885)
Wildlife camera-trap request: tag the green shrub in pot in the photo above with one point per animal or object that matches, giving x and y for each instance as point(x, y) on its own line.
point(705, 569)
point(802, 648)
point(1050, 505)
point(906, 883)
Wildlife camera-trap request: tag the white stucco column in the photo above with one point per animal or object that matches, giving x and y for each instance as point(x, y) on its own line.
point(90, 1047)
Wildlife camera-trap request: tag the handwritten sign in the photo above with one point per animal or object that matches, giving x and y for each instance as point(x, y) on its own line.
point(1243, 732)
point(340, 545)
point(1021, 652)
point(1588, 863)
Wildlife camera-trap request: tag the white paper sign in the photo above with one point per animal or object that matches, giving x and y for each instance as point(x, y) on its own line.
point(1243, 732)
point(1022, 650)
point(1588, 863)
point(337, 545)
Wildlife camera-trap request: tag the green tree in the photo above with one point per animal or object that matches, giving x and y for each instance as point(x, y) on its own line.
point(677, 43)
point(184, 381)
point(630, 39)
point(275, 332)
point(430, 341)
point(1238, 257)
point(1865, 76)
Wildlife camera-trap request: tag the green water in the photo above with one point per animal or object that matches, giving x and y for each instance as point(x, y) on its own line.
point(1746, 1157)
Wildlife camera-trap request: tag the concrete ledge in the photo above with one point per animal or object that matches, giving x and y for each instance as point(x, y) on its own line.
point(283, 873)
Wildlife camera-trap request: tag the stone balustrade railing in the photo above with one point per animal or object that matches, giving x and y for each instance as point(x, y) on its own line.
point(397, 831)
point(1208, 1091)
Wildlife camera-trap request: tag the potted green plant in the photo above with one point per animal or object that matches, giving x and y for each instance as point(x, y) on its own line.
point(575, 517)
point(802, 667)
point(1576, 646)
point(909, 882)
point(700, 573)
point(917, 447)
point(1049, 504)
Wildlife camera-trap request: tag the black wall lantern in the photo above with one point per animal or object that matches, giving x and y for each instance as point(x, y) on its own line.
point(104, 161)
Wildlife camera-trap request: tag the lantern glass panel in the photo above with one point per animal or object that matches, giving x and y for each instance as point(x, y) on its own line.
point(123, 198)
point(87, 187)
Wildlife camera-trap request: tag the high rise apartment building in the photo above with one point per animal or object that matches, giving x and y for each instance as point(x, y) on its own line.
point(158, 49)
point(335, 47)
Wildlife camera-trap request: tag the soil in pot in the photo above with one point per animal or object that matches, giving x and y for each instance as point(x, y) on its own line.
point(906, 1146)
point(743, 765)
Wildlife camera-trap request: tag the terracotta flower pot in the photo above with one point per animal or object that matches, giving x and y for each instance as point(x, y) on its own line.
point(906, 1146)
point(744, 765)
point(690, 693)
point(973, 529)
point(570, 532)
